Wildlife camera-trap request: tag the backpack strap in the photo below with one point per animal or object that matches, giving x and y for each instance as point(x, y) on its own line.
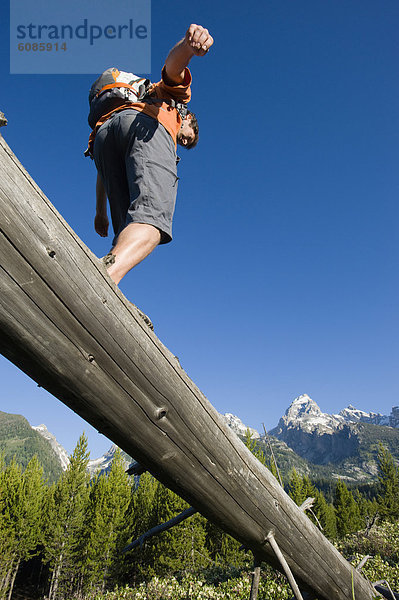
point(179, 106)
point(110, 86)
point(143, 88)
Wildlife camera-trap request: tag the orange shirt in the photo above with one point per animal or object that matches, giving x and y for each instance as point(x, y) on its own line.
point(166, 115)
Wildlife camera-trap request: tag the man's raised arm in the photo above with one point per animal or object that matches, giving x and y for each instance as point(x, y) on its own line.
point(196, 42)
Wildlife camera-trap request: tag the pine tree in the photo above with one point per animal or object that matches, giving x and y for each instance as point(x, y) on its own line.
point(325, 514)
point(140, 518)
point(191, 535)
point(143, 505)
point(28, 525)
point(11, 485)
point(22, 499)
point(106, 524)
point(66, 506)
point(321, 513)
point(253, 446)
point(175, 549)
point(4, 532)
point(223, 549)
point(368, 508)
point(346, 510)
point(297, 489)
point(388, 476)
point(181, 548)
point(308, 487)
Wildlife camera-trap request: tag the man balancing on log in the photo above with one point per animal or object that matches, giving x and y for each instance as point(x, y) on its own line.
point(136, 126)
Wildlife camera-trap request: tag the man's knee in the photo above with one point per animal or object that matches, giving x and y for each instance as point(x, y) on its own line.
point(145, 231)
point(142, 234)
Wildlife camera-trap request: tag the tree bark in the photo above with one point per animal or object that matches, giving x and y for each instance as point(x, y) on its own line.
point(65, 323)
point(55, 578)
point(13, 578)
point(7, 577)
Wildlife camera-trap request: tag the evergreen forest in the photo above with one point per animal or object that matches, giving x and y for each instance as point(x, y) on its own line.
point(63, 540)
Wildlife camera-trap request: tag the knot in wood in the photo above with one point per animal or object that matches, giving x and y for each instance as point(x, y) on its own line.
point(90, 358)
point(50, 252)
point(161, 413)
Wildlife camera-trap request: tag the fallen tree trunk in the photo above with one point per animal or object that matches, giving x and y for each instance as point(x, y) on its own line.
point(65, 324)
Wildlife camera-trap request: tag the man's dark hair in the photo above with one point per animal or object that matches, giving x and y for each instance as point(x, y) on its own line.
point(195, 128)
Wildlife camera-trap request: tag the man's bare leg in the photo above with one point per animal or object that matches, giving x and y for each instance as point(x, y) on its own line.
point(134, 243)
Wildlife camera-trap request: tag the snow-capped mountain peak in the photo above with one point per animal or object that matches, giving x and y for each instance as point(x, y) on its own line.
point(238, 426)
point(354, 414)
point(305, 413)
point(303, 406)
point(59, 450)
point(102, 464)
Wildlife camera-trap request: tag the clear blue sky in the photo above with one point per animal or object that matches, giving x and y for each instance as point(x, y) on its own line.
point(282, 278)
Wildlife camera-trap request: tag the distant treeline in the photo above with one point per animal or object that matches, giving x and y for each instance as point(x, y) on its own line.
point(66, 538)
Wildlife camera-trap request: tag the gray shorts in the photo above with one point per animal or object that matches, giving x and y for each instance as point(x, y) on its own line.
point(136, 159)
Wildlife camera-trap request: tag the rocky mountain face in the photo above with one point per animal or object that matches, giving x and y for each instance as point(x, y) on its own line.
point(352, 415)
point(314, 435)
point(103, 464)
point(19, 441)
point(347, 441)
point(305, 412)
point(97, 465)
point(238, 426)
point(59, 450)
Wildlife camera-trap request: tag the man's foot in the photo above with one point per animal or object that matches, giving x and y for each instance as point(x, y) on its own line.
point(109, 260)
point(146, 319)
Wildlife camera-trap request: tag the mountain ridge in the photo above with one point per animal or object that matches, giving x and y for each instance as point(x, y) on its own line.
point(315, 443)
point(347, 441)
point(20, 441)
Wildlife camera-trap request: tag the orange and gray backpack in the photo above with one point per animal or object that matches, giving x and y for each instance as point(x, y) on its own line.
point(113, 89)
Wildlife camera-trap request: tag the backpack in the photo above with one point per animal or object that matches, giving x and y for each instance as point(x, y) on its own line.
point(113, 89)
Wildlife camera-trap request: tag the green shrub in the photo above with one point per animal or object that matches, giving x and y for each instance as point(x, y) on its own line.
point(191, 588)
